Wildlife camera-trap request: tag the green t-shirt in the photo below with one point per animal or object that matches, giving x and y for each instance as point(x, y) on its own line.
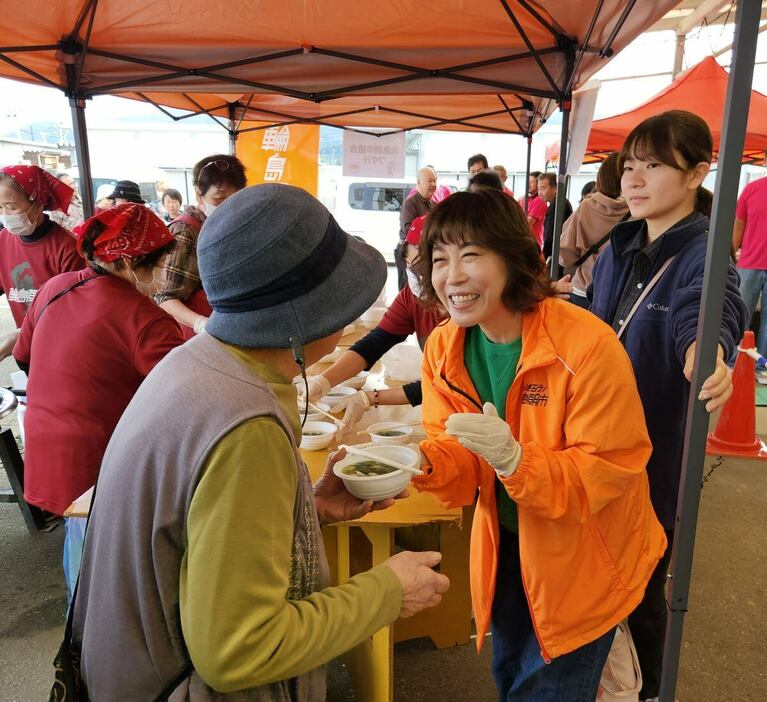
point(492, 368)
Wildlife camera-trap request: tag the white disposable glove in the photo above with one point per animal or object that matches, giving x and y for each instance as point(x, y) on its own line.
point(354, 406)
point(319, 386)
point(199, 325)
point(487, 435)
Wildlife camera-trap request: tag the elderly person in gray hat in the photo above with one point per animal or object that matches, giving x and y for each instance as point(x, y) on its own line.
point(204, 568)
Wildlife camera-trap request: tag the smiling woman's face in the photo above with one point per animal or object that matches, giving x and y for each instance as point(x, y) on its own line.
point(469, 281)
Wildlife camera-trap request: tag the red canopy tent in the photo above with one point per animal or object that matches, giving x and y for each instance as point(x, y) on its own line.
point(701, 89)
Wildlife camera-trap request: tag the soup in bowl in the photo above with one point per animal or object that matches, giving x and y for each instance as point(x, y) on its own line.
point(369, 479)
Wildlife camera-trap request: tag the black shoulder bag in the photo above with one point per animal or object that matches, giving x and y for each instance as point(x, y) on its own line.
point(594, 248)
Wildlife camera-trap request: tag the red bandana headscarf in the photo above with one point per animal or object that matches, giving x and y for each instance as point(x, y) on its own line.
point(41, 186)
point(129, 230)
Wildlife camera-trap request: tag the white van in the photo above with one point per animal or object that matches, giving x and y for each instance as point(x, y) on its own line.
point(369, 208)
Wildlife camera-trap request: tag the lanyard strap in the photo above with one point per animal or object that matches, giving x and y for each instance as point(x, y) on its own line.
point(644, 294)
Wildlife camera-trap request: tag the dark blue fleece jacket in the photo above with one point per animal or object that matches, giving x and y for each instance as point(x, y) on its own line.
point(659, 334)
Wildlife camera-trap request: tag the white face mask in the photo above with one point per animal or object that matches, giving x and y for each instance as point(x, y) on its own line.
point(412, 282)
point(208, 208)
point(157, 284)
point(19, 224)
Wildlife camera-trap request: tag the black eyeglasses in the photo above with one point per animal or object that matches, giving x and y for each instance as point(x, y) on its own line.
point(219, 163)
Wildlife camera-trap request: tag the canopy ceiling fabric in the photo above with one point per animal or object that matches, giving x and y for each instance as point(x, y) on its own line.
point(701, 89)
point(498, 65)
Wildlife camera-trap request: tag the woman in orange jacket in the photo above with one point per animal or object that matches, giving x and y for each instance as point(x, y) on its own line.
point(532, 401)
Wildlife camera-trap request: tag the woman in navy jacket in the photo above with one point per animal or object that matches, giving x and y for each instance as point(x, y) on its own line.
point(663, 164)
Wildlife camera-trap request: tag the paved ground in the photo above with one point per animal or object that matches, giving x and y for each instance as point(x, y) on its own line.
point(725, 637)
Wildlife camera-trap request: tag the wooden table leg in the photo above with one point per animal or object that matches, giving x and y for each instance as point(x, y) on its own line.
point(372, 662)
point(449, 623)
point(14, 469)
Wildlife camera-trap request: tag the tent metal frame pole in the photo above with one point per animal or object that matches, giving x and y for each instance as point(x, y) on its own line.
point(520, 30)
point(709, 321)
point(206, 112)
point(678, 55)
point(607, 50)
point(554, 33)
point(244, 112)
point(80, 128)
point(559, 212)
point(511, 113)
point(73, 68)
point(527, 168)
point(582, 51)
point(30, 72)
point(232, 110)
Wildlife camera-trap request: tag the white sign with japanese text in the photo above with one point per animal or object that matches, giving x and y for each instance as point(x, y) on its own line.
point(374, 157)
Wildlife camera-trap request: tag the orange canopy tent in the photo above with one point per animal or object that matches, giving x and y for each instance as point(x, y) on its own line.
point(701, 89)
point(488, 65)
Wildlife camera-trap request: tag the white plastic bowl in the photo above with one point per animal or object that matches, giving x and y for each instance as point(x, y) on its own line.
point(338, 393)
point(357, 381)
point(315, 443)
point(375, 436)
point(379, 487)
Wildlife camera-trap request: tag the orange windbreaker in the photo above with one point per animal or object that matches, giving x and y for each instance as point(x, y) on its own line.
point(588, 535)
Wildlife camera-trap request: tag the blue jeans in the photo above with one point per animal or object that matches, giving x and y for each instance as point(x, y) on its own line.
point(752, 284)
point(521, 674)
point(74, 538)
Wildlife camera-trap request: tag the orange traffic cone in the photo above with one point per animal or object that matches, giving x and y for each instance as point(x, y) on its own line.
point(735, 433)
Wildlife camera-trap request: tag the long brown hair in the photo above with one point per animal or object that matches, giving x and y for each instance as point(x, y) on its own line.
point(493, 220)
point(609, 177)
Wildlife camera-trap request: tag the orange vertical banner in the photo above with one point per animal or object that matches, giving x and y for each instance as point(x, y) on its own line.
point(287, 154)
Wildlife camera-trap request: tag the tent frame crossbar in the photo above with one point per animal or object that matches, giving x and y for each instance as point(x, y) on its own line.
point(75, 50)
point(582, 53)
point(173, 72)
point(531, 49)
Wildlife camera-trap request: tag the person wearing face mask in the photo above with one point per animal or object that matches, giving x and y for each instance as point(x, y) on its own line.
point(215, 179)
point(405, 316)
point(88, 341)
point(32, 247)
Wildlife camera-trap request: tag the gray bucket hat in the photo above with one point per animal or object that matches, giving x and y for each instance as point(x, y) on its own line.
point(275, 264)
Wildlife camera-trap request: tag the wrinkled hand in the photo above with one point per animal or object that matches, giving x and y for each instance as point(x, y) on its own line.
point(354, 407)
point(487, 435)
point(319, 386)
point(421, 586)
point(335, 503)
point(717, 388)
point(199, 325)
point(563, 287)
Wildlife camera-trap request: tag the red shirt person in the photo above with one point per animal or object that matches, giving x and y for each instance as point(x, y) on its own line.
point(89, 340)
point(535, 208)
point(405, 316)
point(32, 247)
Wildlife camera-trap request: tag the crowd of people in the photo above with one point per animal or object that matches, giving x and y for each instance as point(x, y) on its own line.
point(161, 352)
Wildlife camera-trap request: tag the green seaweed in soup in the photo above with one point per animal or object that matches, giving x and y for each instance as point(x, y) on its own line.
point(367, 469)
point(390, 432)
point(314, 433)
